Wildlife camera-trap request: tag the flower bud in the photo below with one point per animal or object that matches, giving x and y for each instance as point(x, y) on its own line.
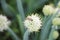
point(55, 34)
point(48, 10)
point(56, 21)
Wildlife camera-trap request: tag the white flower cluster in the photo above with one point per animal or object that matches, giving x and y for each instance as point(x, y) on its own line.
point(33, 23)
point(4, 23)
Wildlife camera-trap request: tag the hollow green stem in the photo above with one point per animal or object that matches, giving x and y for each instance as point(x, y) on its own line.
point(51, 33)
point(20, 16)
point(13, 34)
point(26, 35)
point(21, 26)
point(20, 9)
point(6, 8)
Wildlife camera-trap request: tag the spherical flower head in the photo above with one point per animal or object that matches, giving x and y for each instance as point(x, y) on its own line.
point(55, 34)
point(58, 5)
point(56, 21)
point(48, 10)
point(4, 23)
point(33, 23)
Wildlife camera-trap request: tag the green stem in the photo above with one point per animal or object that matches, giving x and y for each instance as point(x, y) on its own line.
point(21, 26)
point(13, 34)
point(26, 35)
point(46, 18)
point(51, 34)
point(36, 37)
point(20, 16)
point(20, 9)
point(6, 8)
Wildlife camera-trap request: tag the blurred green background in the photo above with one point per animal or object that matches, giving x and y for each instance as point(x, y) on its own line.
point(10, 8)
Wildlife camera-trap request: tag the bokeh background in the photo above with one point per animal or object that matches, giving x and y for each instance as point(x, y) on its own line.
point(11, 8)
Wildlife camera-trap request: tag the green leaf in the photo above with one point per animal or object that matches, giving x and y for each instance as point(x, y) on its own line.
point(21, 26)
point(21, 15)
point(6, 9)
point(14, 36)
point(26, 35)
point(51, 34)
